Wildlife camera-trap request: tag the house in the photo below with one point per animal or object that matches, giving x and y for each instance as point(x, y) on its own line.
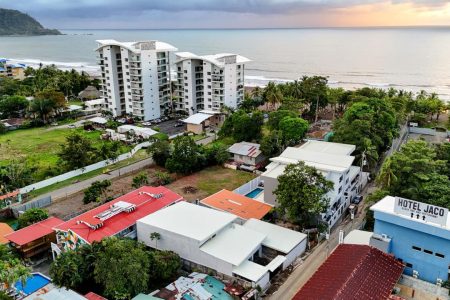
point(211, 240)
point(98, 121)
point(333, 160)
point(247, 155)
point(114, 218)
point(13, 123)
point(205, 120)
point(243, 207)
point(208, 82)
point(5, 229)
point(34, 239)
point(353, 272)
point(418, 234)
point(94, 105)
point(15, 71)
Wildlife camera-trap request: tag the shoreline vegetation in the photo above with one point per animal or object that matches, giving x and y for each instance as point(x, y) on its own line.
point(16, 23)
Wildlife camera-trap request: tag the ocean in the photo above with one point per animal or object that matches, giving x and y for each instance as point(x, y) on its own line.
point(404, 58)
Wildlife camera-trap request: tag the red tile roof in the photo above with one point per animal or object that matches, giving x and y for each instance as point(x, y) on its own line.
point(141, 198)
point(239, 205)
point(34, 231)
point(353, 272)
point(94, 296)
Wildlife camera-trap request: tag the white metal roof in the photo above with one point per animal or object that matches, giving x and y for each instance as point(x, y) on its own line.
point(277, 237)
point(386, 205)
point(60, 294)
point(190, 220)
point(137, 129)
point(234, 244)
point(211, 112)
point(250, 270)
point(246, 149)
point(160, 46)
point(216, 59)
point(98, 120)
point(358, 237)
point(197, 118)
point(95, 101)
point(328, 147)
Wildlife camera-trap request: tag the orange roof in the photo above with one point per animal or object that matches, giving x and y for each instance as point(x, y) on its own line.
point(4, 230)
point(239, 205)
point(94, 296)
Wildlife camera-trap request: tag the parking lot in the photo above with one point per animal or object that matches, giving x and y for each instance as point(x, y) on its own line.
point(168, 127)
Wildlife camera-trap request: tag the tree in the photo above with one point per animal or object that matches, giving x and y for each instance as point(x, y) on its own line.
point(272, 94)
point(301, 193)
point(165, 266)
point(109, 150)
point(293, 130)
point(31, 216)
point(271, 145)
point(156, 236)
point(216, 154)
point(54, 96)
point(77, 152)
point(314, 91)
point(12, 270)
point(12, 106)
point(3, 128)
point(185, 156)
point(275, 118)
point(128, 275)
point(162, 178)
point(140, 180)
point(65, 270)
point(96, 191)
point(42, 109)
point(243, 126)
point(160, 152)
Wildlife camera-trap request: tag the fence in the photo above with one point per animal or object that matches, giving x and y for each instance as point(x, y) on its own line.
point(74, 173)
point(249, 186)
point(428, 131)
point(43, 202)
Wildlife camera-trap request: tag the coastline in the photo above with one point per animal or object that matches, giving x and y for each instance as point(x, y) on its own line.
point(257, 80)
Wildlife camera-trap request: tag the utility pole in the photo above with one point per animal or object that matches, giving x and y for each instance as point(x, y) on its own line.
point(317, 109)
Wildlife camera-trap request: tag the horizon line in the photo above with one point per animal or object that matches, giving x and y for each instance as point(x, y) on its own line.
point(276, 28)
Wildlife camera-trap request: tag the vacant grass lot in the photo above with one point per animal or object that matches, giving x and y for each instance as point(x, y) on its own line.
point(38, 147)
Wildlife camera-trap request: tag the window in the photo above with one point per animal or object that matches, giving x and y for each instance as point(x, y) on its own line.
point(439, 255)
point(408, 265)
point(427, 251)
point(185, 71)
point(417, 248)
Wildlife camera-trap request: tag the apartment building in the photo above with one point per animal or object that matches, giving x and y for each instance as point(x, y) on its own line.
point(333, 160)
point(135, 77)
point(208, 82)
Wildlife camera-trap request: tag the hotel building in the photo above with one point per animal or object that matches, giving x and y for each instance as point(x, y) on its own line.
point(135, 77)
point(208, 82)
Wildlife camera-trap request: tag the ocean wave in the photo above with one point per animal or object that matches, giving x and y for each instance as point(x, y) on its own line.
point(79, 66)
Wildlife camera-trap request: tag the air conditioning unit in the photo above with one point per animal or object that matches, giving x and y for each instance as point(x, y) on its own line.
point(415, 274)
point(439, 282)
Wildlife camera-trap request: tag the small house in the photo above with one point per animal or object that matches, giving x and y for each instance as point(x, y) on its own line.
point(247, 155)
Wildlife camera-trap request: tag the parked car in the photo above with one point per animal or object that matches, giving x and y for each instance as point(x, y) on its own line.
point(178, 124)
point(71, 126)
point(147, 123)
point(357, 199)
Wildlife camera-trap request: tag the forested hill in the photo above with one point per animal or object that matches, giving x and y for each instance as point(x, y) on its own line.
point(14, 22)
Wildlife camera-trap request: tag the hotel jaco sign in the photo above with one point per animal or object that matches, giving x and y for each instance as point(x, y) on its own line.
point(421, 211)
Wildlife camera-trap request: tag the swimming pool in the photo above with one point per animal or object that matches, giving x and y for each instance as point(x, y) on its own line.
point(33, 283)
point(254, 193)
point(216, 288)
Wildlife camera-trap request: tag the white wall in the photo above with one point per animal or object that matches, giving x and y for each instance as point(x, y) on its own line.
point(296, 252)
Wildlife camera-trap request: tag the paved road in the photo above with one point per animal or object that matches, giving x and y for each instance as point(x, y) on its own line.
point(79, 186)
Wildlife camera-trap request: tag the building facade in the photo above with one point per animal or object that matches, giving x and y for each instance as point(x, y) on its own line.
point(208, 82)
point(419, 236)
point(135, 77)
point(333, 160)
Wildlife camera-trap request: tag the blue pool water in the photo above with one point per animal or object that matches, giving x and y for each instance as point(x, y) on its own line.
point(32, 284)
point(254, 193)
point(215, 287)
point(187, 297)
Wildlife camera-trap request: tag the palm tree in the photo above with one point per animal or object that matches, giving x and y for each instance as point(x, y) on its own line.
point(387, 175)
point(42, 108)
point(370, 154)
point(256, 92)
point(272, 94)
point(155, 236)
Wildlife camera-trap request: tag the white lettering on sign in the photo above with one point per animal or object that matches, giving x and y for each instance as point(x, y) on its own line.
point(421, 211)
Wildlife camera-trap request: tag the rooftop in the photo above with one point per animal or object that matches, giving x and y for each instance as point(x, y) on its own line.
point(190, 220)
point(33, 232)
point(387, 205)
point(245, 148)
point(328, 147)
point(217, 59)
point(245, 242)
point(5, 229)
point(98, 120)
point(197, 118)
point(134, 46)
point(277, 237)
point(358, 237)
point(239, 205)
point(137, 129)
point(353, 272)
point(112, 217)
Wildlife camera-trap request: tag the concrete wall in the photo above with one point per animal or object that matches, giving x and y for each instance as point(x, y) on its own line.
point(248, 187)
point(404, 236)
point(197, 129)
point(270, 184)
point(296, 252)
point(412, 288)
point(74, 173)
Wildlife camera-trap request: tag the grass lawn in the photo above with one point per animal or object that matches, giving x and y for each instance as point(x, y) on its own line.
point(39, 147)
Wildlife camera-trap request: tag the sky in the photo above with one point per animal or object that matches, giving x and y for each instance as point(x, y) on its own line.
point(150, 14)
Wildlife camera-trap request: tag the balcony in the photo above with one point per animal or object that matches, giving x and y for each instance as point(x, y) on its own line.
point(135, 72)
point(135, 65)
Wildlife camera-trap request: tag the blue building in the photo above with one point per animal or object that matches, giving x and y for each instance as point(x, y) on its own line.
point(420, 236)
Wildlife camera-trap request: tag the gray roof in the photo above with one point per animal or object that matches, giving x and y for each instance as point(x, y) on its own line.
point(245, 148)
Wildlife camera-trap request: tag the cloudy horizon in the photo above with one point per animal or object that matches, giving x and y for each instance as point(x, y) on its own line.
point(148, 14)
